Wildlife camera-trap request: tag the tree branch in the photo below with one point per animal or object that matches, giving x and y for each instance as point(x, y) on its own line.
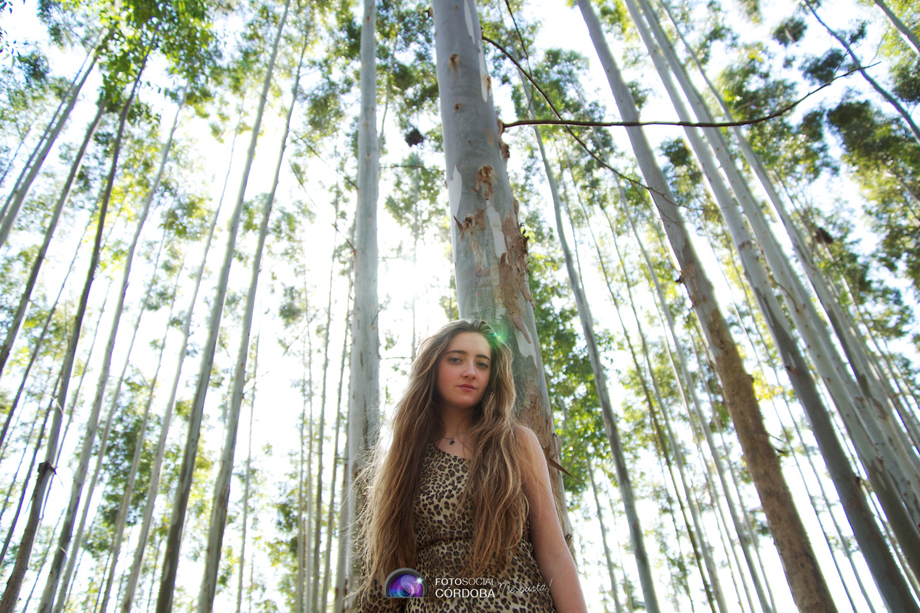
point(637, 124)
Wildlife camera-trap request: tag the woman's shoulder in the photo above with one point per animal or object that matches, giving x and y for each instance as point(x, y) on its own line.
point(528, 442)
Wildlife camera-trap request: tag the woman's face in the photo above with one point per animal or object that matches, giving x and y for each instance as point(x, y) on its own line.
point(463, 371)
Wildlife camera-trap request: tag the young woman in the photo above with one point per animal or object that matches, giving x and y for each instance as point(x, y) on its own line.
point(463, 494)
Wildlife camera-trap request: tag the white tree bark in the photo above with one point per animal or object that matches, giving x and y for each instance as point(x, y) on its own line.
point(25, 300)
point(183, 489)
point(909, 37)
point(808, 586)
point(490, 253)
point(20, 195)
point(220, 505)
point(364, 381)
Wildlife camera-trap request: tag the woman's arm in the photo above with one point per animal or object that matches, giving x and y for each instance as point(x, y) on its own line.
point(550, 550)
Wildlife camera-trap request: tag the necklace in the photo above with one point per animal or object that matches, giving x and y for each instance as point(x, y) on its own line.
point(452, 439)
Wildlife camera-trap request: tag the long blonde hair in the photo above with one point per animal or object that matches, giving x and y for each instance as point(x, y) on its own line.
point(494, 490)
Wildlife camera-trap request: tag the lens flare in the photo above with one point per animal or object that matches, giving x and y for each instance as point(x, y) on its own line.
point(404, 583)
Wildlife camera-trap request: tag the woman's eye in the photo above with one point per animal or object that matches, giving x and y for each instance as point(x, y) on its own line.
point(483, 365)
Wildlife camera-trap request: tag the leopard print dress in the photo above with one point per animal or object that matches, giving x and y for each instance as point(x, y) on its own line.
point(444, 532)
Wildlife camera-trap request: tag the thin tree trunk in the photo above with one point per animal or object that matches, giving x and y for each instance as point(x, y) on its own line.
point(364, 381)
point(77, 543)
point(25, 299)
point(61, 601)
point(37, 348)
point(65, 99)
point(159, 454)
point(248, 487)
point(122, 516)
point(808, 586)
point(878, 88)
point(717, 598)
point(23, 190)
point(14, 584)
point(315, 604)
point(338, 595)
point(600, 381)
point(694, 408)
point(600, 517)
point(221, 499)
point(308, 568)
point(25, 485)
point(909, 37)
point(489, 249)
point(47, 600)
point(22, 457)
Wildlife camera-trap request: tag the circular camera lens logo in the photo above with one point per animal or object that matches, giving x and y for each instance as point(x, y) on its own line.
point(404, 583)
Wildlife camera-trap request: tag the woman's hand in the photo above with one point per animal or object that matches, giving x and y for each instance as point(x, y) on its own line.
point(550, 550)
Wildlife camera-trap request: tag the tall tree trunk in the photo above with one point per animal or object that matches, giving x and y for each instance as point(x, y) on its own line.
point(220, 504)
point(609, 559)
point(624, 482)
point(121, 517)
point(912, 126)
point(489, 250)
point(25, 485)
point(11, 595)
point(60, 554)
point(339, 588)
point(364, 381)
point(158, 456)
point(61, 600)
point(23, 190)
point(91, 57)
point(316, 604)
point(884, 569)
point(688, 386)
point(808, 587)
point(909, 37)
point(183, 490)
point(25, 299)
point(248, 487)
point(100, 452)
point(853, 402)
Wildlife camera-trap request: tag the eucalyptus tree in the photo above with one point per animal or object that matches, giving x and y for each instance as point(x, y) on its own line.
point(871, 540)
point(808, 586)
point(624, 481)
point(180, 504)
point(58, 124)
point(222, 483)
point(489, 249)
point(364, 378)
point(872, 442)
point(132, 474)
point(11, 594)
point(25, 299)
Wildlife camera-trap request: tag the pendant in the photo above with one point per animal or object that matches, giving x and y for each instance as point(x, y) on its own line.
point(451, 441)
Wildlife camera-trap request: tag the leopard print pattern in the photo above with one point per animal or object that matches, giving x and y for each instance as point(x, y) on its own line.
point(444, 532)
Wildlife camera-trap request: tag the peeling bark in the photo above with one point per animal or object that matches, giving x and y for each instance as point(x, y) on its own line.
point(490, 253)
